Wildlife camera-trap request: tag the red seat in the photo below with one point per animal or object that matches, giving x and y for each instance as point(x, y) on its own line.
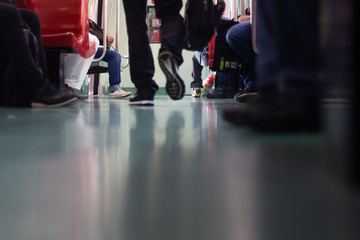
point(64, 24)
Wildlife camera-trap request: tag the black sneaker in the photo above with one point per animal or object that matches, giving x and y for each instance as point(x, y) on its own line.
point(143, 99)
point(175, 86)
point(276, 113)
point(50, 97)
point(69, 91)
point(246, 95)
point(221, 93)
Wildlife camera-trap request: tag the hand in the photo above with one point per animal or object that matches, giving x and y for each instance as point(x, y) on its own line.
point(110, 39)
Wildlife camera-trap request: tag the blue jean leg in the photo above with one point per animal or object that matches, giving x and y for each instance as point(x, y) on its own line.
point(239, 39)
point(227, 81)
point(113, 59)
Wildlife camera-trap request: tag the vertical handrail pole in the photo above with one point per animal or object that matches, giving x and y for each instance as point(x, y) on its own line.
point(253, 21)
point(105, 30)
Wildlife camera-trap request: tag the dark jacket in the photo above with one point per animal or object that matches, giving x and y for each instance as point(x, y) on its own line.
point(12, 2)
point(96, 30)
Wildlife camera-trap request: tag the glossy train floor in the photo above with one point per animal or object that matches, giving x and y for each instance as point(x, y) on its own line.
point(104, 170)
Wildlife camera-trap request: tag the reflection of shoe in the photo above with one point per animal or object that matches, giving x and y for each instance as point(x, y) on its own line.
point(196, 92)
point(276, 114)
point(69, 91)
point(143, 99)
point(119, 94)
point(246, 95)
point(221, 93)
point(175, 86)
point(50, 97)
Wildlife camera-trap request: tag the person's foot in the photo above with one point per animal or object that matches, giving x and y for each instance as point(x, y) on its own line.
point(70, 91)
point(175, 86)
point(246, 95)
point(142, 98)
point(119, 94)
point(50, 97)
point(196, 92)
point(221, 93)
point(276, 114)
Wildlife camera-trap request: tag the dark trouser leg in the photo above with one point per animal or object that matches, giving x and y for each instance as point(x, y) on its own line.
point(141, 58)
point(33, 21)
point(239, 39)
point(172, 27)
point(16, 48)
point(290, 68)
point(196, 73)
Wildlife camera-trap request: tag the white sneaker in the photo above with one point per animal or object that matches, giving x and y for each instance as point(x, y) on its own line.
point(119, 94)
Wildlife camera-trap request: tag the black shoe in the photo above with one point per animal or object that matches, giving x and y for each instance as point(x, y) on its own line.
point(221, 93)
point(50, 97)
point(276, 114)
point(246, 95)
point(196, 84)
point(68, 90)
point(142, 98)
point(175, 86)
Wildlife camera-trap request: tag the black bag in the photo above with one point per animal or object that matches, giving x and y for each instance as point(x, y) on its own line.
point(201, 18)
point(12, 90)
point(225, 58)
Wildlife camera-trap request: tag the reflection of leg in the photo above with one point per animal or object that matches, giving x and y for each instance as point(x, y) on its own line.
point(141, 154)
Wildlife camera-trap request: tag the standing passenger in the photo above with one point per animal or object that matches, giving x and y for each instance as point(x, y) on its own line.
point(141, 60)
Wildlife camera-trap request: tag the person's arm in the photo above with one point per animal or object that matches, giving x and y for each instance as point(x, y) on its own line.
point(95, 30)
point(244, 18)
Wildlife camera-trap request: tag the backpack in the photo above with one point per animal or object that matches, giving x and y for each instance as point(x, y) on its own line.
point(201, 18)
point(225, 58)
point(12, 92)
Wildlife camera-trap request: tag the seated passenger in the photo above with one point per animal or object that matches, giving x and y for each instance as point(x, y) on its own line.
point(200, 60)
point(113, 59)
point(28, 80)
point(239, 39)
point(76, 68)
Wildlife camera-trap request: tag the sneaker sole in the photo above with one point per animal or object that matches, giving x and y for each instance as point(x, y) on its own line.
point(175, 86)
point(246, 97)
point(119, 96)
point(43, 105)
point(142, 103)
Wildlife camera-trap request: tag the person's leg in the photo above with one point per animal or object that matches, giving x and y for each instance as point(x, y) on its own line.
point(172, 28)
point(196, 71)
point(33, 21)
point(239, 39)
point(288, 73)
point(17, 49)
point(172, 33)
point(289, 68)
point(140, 55)
point(113, 59)
point(226, 86)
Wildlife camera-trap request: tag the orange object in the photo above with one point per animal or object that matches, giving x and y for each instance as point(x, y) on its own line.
point(64, 24)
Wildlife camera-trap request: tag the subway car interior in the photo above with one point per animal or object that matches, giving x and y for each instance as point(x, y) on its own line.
point(102, 169)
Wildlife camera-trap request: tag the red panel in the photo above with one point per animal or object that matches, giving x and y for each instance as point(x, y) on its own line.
point(211, 50)
point(64, 23)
